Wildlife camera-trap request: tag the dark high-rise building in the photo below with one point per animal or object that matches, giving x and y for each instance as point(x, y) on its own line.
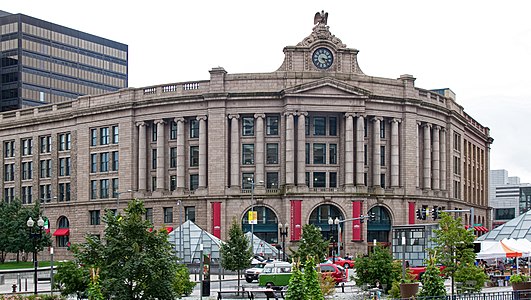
point(42, 62)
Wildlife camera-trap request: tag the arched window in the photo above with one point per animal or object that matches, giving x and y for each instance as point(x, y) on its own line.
point(62, 233)
point(380, 228)
point(266, 227)
point(319, 217)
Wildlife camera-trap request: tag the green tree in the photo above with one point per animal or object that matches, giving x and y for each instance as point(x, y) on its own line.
point(296, 285)
point(472, 277)
point(377, 266)
point(432, 282)
point(454, 246)
point(236, 254)
point(72, 279)
point(134, 263)
point(182, 283)
point(311, 244)
point(311, 281)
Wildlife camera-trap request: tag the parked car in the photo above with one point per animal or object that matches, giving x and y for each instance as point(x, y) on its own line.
point(337, 272)
point(275, 273)
point(252, 273)
point(345, 263)
point(417, 272)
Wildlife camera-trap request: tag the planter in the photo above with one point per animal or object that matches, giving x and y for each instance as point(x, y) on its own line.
point(521, 286)
point(408, 290)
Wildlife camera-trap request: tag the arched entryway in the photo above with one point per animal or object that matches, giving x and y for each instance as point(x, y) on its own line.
point(379, 229)
point(62, 233)
point(321, 217)
point(266, 227)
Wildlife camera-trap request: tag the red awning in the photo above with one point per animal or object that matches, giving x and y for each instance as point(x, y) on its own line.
point(61, 232)
point(169, 229)
point(478, 228)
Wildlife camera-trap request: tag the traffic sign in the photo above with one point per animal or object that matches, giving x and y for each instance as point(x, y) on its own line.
point(253, 217)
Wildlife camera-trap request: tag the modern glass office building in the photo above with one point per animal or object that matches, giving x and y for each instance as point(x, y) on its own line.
point(42, 62)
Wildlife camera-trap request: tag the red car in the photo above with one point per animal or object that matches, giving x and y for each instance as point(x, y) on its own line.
point(419, 271)
point(337, 272)
point(340, 261)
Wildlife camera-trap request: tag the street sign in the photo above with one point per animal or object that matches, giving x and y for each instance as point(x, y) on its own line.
point(253, 217)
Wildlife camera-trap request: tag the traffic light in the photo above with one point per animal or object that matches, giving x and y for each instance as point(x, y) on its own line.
point(434, 213)
point(419, 214)
point(372, 217)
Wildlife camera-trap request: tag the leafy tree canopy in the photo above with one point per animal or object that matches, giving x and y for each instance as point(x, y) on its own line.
point(311, 244)
point(236, 253)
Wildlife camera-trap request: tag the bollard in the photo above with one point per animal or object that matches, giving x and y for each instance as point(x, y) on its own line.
point(342, 287)
point(14, 287)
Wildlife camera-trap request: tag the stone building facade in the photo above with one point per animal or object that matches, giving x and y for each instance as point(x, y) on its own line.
point(315, 140)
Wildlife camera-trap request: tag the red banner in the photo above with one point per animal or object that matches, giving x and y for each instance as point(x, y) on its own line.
point(357, 228)
point(411, 212)
point(216, 219)
point(296, 217)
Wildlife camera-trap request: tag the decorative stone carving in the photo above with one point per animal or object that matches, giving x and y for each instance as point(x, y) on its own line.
point(321, 32)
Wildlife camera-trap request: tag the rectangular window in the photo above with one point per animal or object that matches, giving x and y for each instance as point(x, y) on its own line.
point(149, 214)
point(9, 172)
point(365, 128)
point(332, 180)
point(115, 134)
point(319, 153)
point(27, 147)
point(62, 166)
point(307, 153)
point(382, 180)
point(194, 156)
point(27, 170)
point(247, 180)
point(115, 160)
point(93, 189)
point(93, 163)
point(27, 195)
point(104, 136)
point(332, 126)
point(104, 162)
point(93, 137)
point(9, 194)
point(45, 168)
point(457, 141)
point(457, 189)
point(272, 180)
point(153, 158)
point(319, 126)
point(104, 188)
point(168, 215)
point(154, 132)
point(272, 125)
point(45, 144)
point(194, 182)
point(173, 182)
point(173, 157)
point(189, 213)
point(173, 130)
point(153, 183)
point(382, 130)
point(94, 217)
point(457, 165)
point(248, 126)
point(248, 154)
point(504, 213)
point(382, 155)
point(365, 154)
point(307, 179)
point(307, 127)
point(115, 185)
point(64, 141)
point(319, 179)
point(272, 153)
point(333, 154)
point(9, 149)
point(194, 128)
point(45, 193)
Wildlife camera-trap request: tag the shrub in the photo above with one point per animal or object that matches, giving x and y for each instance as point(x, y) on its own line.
point(518, 278)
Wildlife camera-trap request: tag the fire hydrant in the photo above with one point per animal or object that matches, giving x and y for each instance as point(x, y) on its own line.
point(14, 287)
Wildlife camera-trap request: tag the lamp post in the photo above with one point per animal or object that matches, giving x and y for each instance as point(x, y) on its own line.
point(333, 222)
point(117, 194)
point(283, 229)
point(180, 228)
point(35, 235)
point(252, 220)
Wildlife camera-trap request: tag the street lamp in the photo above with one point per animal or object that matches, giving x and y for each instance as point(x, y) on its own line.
point(333, 222)
point(117, 195)
point(283, 229)
point(35, 235)
point(180, 228)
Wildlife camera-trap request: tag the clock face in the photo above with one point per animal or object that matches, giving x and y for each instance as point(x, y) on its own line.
point(322, 58)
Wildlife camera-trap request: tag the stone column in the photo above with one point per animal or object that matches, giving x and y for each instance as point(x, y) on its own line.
point(234, 151)
point(360, 151)
point(395, 156)
point(427, 156)
point(290, 149)
point(443, 159)
point(301, 149)
point(181, 159)
point(161, 165)
point(376, 165)
point(202, 152)
point(349, 149)
point(435, 159)
point(142, 156)
point(259, 150)
point(419, 124)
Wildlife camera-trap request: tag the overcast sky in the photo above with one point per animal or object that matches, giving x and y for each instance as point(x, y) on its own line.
point(479, 49)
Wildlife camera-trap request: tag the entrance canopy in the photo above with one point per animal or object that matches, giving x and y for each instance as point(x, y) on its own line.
point(187, 240)
point(262, 248)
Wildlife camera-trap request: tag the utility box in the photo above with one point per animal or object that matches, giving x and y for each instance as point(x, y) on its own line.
point(418, 238)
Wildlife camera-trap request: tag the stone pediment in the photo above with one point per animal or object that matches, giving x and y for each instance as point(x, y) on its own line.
point(326, 86)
